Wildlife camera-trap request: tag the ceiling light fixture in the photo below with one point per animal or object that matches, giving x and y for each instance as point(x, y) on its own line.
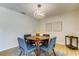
point(38, 12)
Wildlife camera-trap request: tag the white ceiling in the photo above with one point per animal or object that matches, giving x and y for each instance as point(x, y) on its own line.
point(50, 9)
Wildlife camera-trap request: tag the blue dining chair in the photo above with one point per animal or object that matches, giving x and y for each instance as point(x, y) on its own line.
point(50, 47)
point(24, 47)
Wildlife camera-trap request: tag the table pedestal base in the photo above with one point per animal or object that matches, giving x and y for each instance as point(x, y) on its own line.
point(37, 51)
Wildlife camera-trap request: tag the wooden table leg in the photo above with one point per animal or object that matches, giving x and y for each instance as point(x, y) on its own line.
point(37, 51)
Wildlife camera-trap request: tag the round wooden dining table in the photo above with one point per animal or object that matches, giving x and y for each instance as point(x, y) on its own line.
point(37, 40)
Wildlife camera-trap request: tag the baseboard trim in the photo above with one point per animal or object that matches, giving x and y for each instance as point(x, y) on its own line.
point(8, 48)
point(62, 43)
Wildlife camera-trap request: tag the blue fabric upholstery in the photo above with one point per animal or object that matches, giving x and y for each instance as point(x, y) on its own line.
point(27, 48)
point(50, 46)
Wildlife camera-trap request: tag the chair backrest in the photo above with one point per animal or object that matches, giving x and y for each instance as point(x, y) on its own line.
point(22, 44)
point(37, 34)
point(47, 35)
point(51, 44)
point(26, 35)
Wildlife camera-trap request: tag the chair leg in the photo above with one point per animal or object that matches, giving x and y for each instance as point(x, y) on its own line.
point(54, 52)
point(25, 54)
point(20, 53)
point(49, 54)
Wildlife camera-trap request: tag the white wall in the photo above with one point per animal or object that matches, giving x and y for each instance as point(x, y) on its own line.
point(70, 22)
point(12, 25)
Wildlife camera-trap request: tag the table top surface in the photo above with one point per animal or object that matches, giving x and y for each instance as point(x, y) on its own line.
point(38, 38)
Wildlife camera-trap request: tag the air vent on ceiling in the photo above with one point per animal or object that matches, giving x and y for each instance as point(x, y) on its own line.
point(23, 13)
